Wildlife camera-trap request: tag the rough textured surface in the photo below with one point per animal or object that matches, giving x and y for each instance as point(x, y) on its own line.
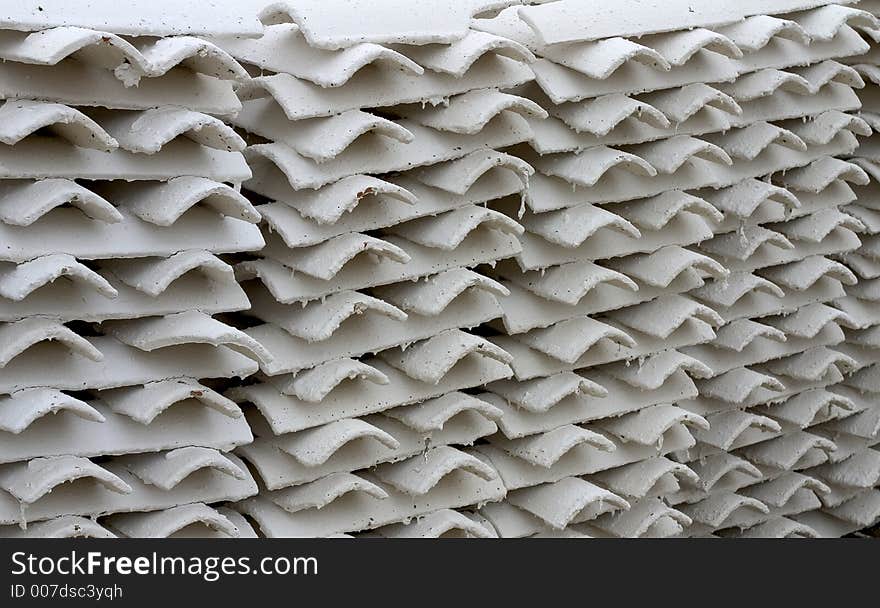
point(506, 269)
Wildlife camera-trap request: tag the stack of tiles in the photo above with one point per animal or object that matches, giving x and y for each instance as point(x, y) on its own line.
point(116, 203)
point(373, 197)
point(779, 459)
point(683, 224)
point(854, 471)
point(480, 268)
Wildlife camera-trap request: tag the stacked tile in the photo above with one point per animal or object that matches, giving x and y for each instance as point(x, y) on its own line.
point(492, 271)
point(853, 472)
point(372, 194)
point(117, 201)
point(792, 457)
point(686, 185)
